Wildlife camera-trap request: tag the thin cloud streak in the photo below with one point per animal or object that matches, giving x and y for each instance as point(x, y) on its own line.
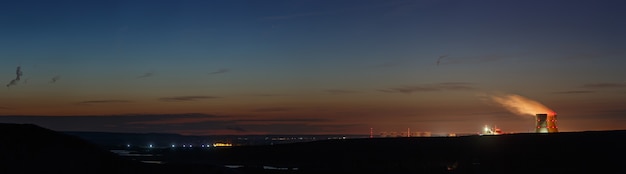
point(284, 120)
point(340, 91)
point(605, 85)
point(220, 71)
point(146, 75)
point(184, 120)
point(449, 86)
point(573, 92)
point(272, 109)
point(270, 95)
point(448, 60)
point(354, 9)
point(237, 129)
point(297, 15)
point(103, 102)
point(197, 124)
point(187, 98)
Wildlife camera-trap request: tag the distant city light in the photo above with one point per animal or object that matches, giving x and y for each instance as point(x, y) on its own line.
point(128, 145)
point(173, 145)
point(184, 145)
point(222, 144)
point(151, 146)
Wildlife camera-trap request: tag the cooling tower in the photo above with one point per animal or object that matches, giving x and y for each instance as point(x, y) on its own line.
point(546, 123)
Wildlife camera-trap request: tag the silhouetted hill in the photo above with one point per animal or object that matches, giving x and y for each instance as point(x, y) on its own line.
point(570, 152)
point(26, 148)
point(31, 149)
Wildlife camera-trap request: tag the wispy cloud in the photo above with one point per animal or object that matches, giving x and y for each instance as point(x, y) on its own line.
point(573, 92)
point(351, 9)
point(450, 86)
point(389, 64)
point(449, 60)
point(220, 71)
point(340, 91)
point(193, 124)
point(439, 59)
point(18, 75)
point(296, 15)
point(103, 102)
point(55, 79)
point(589, 54)
point(270, 95)
point(183, 120)
point(237, 129)
point(605, 85)
point(283, 120)
point(146, 75)
point(272, 109)
point(187, 98)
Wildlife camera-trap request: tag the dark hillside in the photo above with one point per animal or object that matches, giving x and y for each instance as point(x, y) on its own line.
point(31, 149)
point(27, 148)
point(573, 152)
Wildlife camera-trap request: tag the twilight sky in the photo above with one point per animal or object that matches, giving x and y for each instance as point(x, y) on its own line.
point(310, 67)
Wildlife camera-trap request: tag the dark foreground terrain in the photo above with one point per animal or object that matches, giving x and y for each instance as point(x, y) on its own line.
point(28, 148)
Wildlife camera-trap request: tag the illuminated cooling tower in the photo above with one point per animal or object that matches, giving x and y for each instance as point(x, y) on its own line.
point(546, 123)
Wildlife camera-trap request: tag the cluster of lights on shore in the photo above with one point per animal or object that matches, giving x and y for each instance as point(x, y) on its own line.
point(191, 145)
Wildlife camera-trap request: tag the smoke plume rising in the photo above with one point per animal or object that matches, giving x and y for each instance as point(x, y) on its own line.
point(521, 105)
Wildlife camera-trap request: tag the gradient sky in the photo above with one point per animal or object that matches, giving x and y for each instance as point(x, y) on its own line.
point(310, 67)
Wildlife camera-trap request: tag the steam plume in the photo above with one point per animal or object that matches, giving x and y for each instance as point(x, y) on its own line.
point(521, 105)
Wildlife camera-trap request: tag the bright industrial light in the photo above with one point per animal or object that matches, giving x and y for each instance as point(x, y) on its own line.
point(173, 145)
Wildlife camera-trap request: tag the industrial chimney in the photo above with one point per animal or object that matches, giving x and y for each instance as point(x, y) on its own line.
point(546, 123)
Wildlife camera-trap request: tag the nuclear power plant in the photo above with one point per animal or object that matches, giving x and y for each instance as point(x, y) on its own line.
point(546, 123)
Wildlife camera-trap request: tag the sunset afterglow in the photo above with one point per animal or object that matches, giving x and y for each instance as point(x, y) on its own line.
point(304, 67)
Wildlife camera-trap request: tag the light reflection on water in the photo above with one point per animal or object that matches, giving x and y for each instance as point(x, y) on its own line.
point(129, 153)
point(264, 167)
point(153, 162)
